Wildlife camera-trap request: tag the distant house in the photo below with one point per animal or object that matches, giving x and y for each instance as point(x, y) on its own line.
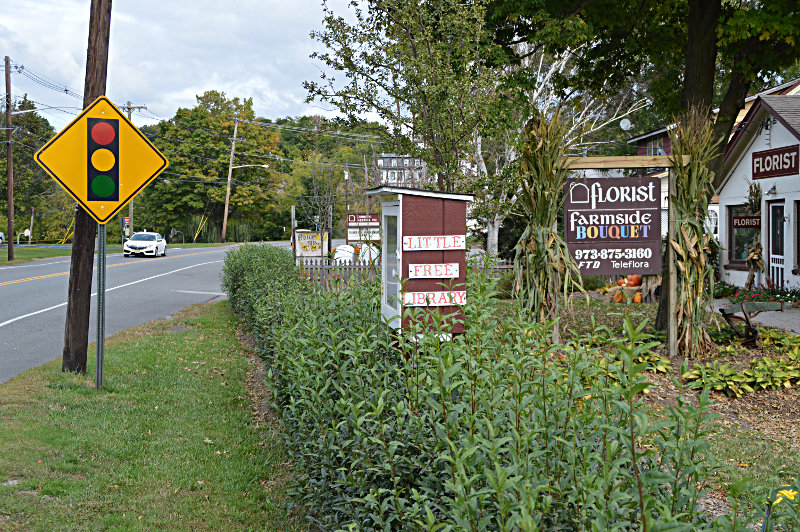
point(765, 149)
point(399, 170)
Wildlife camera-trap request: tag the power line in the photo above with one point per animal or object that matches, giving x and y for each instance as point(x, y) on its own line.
point(44, 81)
point(349, 136)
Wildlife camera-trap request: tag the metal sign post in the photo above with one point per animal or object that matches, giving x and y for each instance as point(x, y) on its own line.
point(101, 305)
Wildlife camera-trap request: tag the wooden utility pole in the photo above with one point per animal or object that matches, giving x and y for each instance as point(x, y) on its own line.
point(230, 174)
point(9, 163)
point(128, 108)
point(76, 329)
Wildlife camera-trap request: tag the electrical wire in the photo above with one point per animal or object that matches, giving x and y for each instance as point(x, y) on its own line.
point(46, 82)
point(349, 136)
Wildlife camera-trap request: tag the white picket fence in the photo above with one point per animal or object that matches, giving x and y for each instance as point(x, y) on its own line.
point(333, 275)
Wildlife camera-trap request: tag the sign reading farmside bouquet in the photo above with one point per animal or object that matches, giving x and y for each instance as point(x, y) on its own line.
point(612, 225)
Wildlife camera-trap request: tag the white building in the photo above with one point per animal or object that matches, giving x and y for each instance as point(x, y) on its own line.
point(399, 170)
point(765, 149)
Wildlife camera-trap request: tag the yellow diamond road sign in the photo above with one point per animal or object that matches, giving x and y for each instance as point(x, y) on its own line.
point(101, 160)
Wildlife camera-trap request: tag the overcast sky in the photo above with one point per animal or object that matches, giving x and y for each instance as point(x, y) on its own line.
point(164, 53)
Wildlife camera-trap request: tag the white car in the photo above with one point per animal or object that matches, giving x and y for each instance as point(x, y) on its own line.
point(145, 244)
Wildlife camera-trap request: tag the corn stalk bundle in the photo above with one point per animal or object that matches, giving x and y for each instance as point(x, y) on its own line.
point(543, 268)
point(693, 189)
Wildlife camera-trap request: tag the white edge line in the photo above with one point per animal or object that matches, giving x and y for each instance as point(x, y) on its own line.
point(12, 320)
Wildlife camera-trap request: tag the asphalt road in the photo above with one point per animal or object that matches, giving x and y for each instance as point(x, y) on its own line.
point(33, 299)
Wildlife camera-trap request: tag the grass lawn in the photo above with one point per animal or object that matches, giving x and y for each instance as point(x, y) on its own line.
point(23, 254)
point(178, 438)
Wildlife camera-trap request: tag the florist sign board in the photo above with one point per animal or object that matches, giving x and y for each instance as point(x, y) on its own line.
point(777, 162)
point(612, 225)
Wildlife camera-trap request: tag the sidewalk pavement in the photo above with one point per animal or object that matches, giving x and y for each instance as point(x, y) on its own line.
point(789, 319)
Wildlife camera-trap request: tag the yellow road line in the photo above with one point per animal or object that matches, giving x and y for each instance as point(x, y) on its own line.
point(59, 274)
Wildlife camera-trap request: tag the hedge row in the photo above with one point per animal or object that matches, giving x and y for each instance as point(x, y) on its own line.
point(497, 429)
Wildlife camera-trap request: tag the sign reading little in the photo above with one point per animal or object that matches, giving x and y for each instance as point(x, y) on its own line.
point(434, 243)
point(434, 270)
point(612, 225)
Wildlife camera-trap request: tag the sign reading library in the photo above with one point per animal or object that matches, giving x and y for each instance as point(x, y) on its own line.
point(612, 225)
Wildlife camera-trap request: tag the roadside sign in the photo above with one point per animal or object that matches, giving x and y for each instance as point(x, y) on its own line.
point(612, 225)
point(127, 221)
point(101, 159)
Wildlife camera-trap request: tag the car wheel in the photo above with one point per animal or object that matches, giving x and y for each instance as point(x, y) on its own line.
point(165, 252)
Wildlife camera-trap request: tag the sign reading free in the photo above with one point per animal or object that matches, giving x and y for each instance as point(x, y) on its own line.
point(612, 225)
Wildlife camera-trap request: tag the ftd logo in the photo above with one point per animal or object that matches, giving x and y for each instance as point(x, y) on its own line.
point(103, 159)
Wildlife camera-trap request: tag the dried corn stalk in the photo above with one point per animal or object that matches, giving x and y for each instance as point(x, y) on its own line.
point(545, 272)
point(693, 189)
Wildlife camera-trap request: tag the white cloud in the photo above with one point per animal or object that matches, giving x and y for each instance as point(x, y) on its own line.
point(164, 53)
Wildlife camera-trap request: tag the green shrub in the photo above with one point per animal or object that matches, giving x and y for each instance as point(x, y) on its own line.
point(593, 282)
point(260, 281)
point(495, 429)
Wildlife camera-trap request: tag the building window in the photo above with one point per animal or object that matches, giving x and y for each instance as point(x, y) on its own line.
point(656, 146)
point(380, 163)
point(394, 163)
point(741, 239)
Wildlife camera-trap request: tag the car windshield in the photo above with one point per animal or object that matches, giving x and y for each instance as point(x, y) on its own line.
point(143, 237)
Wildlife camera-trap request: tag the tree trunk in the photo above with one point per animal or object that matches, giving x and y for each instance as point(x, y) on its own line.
point(732, 104)
point(492, 233)
point(76, 329)
point(701, 53)
point(698, 91)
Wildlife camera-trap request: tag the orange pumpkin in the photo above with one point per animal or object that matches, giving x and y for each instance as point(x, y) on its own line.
point(621, 282)
point(634, 280)
point(619, 296)
point(637, 297)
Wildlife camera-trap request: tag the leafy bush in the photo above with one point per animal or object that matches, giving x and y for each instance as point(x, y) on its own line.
point(495, 429)
point(593, 282)
point(765, 373)
point(260, 280)
point(724, 289)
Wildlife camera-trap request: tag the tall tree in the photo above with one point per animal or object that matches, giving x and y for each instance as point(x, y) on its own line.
point(688, 50)
point(197, 143)
point(423, 68)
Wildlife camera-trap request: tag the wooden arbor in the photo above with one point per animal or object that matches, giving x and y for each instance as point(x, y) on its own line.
point(646, 161)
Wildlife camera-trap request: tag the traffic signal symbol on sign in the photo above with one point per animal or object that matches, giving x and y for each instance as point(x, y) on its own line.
point(101, 160)
point(102, 170)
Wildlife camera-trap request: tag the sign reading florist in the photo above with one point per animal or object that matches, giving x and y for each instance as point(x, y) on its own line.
point(612, 226)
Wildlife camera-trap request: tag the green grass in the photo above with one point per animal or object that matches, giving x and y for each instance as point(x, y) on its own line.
point(169, 442)
point(29, 254)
